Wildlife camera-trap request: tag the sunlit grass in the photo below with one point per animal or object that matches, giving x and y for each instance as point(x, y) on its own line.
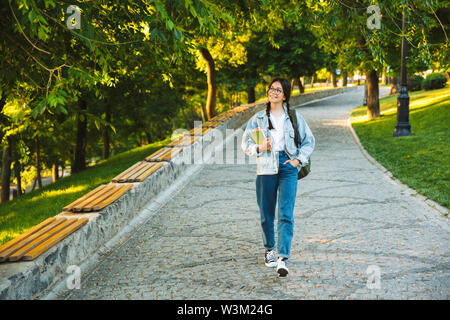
point(421, 160)
point(418, 99)
point(19, 215)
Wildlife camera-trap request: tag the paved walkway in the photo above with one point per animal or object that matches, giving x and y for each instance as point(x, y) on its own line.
point(205, 243)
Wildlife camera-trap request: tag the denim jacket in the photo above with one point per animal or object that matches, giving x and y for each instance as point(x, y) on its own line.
point(307, 141)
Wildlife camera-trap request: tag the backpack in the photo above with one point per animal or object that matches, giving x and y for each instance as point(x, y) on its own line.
point(305, 169)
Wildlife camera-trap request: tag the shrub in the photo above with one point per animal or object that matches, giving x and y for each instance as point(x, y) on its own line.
point(415, 83)
point(434, 81)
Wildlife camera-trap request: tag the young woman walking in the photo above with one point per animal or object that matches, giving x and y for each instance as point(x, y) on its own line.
point(281, 136)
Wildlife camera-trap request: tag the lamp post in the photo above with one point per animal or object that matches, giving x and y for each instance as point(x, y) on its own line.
point(403, 128)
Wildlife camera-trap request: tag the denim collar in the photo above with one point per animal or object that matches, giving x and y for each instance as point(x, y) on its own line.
point(262, 113)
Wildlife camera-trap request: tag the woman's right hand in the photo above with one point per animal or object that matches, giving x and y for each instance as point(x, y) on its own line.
point(265, 145)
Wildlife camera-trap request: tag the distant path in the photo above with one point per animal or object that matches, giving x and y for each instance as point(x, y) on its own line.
point(206, 242)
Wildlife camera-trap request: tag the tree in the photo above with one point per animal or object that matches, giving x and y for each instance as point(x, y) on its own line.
point(342, 28)
point(67, 72)
point(295, 53)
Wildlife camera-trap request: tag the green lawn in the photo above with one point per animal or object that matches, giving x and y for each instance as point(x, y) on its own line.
point(21, 214)
point(422, 160)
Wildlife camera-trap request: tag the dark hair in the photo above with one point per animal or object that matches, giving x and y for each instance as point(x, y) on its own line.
point(286, 85)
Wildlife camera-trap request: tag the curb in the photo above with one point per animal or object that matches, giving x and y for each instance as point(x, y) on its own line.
point(432, 204)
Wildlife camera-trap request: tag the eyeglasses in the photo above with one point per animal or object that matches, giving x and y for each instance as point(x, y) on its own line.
point(277, 91)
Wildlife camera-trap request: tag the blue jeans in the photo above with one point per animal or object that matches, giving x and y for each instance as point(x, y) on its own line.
point(267, 186)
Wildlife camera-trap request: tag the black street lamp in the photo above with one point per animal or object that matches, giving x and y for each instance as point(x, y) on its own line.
point(403, 128)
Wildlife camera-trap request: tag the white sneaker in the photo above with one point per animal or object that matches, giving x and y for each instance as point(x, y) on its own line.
point(270, 259)
point(282, 269)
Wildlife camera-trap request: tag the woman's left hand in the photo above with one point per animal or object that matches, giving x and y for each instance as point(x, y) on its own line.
point(293, 163)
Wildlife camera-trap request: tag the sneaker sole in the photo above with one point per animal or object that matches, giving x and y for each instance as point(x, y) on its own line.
point(271, 264)
point(282, 272)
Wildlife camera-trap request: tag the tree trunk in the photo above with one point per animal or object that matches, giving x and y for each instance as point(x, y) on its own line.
point(62, 171)
point(251, 95)
point(373, 102)
point(365, 94)
point(174, 124)
point(34, 185)
point(38, 162)
point(344, 78)
point(301, 82)
point(313, 78)
point(395, 88)
point(160, 133)
point(211, 76)
point(203, 111)
point(333, 78)
point(148, 137)
point(17, 169)
point(187, 123)
point(79, 163)
point(54, 173)
point(6, 172)
point(105, 133)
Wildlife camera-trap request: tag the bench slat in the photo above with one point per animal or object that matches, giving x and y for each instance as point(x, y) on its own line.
point(118, 177)
point(25, 235)
point(169, 155)
point(79, 207)
point(120, 192)
point(194, 132)
point(14, 248)
point(84, 197)
point(131, 172)
point(147, 173)
point(108, 191)
point(21, 252)
point(157, 153)
point(44, 246)
point(166, 155)
point(144, 167)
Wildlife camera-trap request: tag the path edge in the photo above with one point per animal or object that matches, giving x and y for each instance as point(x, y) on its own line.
point(432, 204)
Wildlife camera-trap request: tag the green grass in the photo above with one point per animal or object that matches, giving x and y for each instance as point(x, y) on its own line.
point(422, 160)
point(19, 215)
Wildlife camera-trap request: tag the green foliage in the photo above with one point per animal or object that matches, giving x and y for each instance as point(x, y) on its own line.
point(415, 83)
point(434, 81)
point(341, 27)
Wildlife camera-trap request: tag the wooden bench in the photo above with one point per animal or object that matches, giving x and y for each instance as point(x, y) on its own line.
point(241, 108)
point(211, 124)
point(197, 132)
point(183, 141)
point(219, 118)
point(98, 198)
point(163, 154)
point(138, 172)
point(40, 238)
